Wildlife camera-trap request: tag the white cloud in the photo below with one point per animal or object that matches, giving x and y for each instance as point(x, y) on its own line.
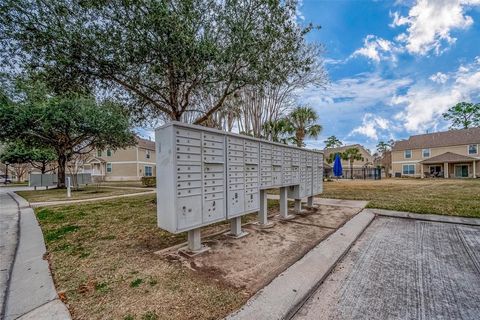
point(361, 91)
point(423, 105)
point(430, 22)
point(439, 77)
point(372, 125)
point(377, 49)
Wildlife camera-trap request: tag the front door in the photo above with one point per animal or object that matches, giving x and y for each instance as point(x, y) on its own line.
point(461, 171)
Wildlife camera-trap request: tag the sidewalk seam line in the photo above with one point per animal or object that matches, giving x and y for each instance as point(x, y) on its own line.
point(391, 215)
point(43, 304)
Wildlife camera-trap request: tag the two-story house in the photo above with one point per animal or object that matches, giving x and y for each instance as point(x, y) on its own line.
point(449, 154)
point(131, 163)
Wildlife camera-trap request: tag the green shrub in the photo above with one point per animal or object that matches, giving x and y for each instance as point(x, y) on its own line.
point(149, 181)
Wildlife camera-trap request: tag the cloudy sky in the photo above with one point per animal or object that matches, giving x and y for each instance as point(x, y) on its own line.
point(394, 66)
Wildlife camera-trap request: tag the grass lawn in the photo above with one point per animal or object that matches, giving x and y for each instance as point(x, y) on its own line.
point(83, 193)
point(103, 262)
point(440, 196)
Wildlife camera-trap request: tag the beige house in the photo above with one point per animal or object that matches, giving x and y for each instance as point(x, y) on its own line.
point(449, 154)
point(357, 164)
point(131, 163)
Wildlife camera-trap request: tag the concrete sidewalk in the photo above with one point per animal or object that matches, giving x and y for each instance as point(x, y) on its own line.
point(61, 202)
point(404, 268)
point(9, 218)
point(286, 293)
point(28, 290)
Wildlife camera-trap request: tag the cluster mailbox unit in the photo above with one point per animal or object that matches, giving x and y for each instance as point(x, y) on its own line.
point(206, 175)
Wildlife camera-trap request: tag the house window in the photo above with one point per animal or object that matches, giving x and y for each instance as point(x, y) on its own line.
point(473, 149)
point(426, 153)
point(408, 154)
point(408, 169)
point(109, 167)
point(147, 154)
point(109, 153)
point(148, 171)
point(99, 153)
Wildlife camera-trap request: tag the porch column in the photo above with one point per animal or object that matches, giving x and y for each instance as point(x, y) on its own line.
point(421, 171)
point(445, 170)
point(474, 169)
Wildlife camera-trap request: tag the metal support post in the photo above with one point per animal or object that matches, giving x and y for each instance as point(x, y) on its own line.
point(262, 214)
point(194, 244)
point(310, 202)
point(194, 240)
point(284, 204)
point(236, 228)
point(69, 189)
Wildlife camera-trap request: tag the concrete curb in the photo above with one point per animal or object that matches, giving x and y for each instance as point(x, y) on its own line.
point(9, 233)
point(329, 202)
point(282, 298)
point(427, 217)
point(32, 293)
point(66, 202)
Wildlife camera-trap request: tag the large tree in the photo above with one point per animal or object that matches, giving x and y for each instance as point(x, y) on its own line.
point(383, 146)
point(17, 158)
point(352, 155)
point(161, 55)
point(333, 142)
point(40, 158)
point(303, 122)
point(463, 115)
point(69, 124)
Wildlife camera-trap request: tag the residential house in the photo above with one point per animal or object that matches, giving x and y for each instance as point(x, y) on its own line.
point(131, 163)
point(358, 165)
point(367, 157)
point(449, 154)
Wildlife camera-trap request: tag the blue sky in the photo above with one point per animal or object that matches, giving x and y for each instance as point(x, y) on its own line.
point(394, 66)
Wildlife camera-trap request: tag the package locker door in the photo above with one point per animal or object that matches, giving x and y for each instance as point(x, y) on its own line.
point(266, 176)
point(252, 172)
point(188, 179)
point(235, 177)
point(213, 155)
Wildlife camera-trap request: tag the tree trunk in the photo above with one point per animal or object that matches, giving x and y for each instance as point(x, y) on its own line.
point(300, 135)
point(62, 164)
point(351, 169)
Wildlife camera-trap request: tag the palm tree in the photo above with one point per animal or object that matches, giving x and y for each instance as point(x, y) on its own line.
point(276, 130)
point(352, 154)
point(303, 124)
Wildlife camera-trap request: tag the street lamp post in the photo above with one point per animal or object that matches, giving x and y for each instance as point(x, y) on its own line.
point(6, 171)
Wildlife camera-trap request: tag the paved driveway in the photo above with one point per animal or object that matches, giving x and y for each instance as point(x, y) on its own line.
point(404, 269)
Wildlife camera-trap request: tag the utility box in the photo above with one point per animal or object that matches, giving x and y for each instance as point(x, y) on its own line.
point(205, 175)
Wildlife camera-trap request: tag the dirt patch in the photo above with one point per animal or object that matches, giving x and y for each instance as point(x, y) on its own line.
point(252, 262)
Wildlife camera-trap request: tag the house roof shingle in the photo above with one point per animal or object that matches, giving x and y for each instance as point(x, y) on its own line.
point(449, 157)
point(145, 144)
point(439, 139)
